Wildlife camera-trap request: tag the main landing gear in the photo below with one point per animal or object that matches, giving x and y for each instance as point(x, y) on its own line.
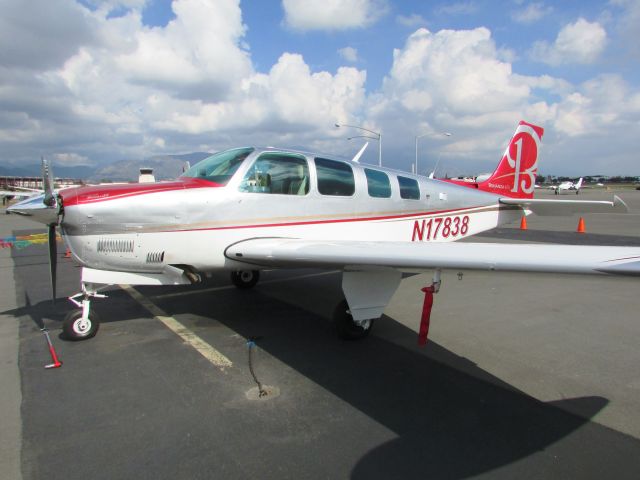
point(245, 278)
point(82, 324)
point(347, 327)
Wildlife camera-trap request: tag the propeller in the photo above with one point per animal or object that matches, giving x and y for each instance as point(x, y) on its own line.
point(53, 260)
point(45, 208)
point(51, 202)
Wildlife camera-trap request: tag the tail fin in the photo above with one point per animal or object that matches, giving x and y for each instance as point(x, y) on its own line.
point(516, 172)
point(579, 184)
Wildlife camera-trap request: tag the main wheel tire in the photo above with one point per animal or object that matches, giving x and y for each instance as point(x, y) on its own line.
point(346, 327)
point(245, 278)
point(75, 328)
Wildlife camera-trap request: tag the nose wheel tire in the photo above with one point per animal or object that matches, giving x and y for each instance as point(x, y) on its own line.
point(75, 328)
point(346, 327)
point(245, 278)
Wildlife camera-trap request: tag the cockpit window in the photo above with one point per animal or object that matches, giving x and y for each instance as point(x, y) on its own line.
point(219, 167)
point(283, 173)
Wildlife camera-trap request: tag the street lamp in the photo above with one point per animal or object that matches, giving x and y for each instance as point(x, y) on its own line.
point(378, 136)
point(446, 134)
point(362, 136)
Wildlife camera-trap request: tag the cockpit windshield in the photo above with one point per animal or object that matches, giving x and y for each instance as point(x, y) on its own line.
point(219, 167)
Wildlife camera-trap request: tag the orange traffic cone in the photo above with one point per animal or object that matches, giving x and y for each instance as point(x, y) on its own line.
point(523, 223)
point(581, 228)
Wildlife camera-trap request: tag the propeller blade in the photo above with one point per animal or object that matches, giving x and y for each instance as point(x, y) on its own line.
point(47, 183)
point(53, 259)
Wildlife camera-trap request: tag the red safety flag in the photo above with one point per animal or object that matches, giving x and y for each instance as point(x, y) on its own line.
point(426, 315)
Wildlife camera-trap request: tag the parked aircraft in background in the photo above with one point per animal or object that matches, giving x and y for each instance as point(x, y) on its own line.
point(567, 187)
point(247, 209)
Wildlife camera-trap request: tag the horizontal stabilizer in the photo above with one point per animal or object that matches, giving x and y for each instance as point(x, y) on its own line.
point(549, 207)
point(282, 252)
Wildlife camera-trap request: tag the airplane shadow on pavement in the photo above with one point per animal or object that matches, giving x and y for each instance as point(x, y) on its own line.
point(451, 419)
point(450, 422)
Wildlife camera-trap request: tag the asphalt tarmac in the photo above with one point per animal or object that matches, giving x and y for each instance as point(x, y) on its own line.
point(524, 376)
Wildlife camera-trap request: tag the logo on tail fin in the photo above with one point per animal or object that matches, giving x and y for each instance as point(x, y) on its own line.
point(516, 172)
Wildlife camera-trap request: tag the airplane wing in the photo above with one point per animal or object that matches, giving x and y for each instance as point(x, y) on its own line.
point(286, 252)
point(548, 207)
point(21, 194)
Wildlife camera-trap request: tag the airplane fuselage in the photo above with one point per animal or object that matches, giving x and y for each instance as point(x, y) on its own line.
point(191, 221)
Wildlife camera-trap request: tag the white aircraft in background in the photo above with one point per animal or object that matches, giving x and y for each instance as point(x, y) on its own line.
point(567, 187)
point(247, 209)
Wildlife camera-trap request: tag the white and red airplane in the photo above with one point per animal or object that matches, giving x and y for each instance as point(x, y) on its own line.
point(247, 209)
point(567, 187)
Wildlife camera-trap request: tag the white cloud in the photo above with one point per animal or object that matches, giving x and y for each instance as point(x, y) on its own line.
point(581, 42)
point(45, 38)
point(458, 8)
point(290, 97)
point(185, 57)
point(532, 13)
point(628, 27)
point(129, 90)
point(458, 81)
point(350, 54)
point(70, 159)
point(414, 20)
point(459, 68)
point(332, 14)
point(114, 88)
point(450, 81)
point(600, 104)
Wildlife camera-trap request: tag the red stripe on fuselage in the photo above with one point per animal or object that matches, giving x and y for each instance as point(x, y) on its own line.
point(103, 193)
point(418, 215)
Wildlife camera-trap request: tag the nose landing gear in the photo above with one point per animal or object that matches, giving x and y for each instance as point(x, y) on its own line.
point(82, 324)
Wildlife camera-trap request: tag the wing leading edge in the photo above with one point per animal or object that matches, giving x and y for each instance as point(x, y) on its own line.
point(283, 252)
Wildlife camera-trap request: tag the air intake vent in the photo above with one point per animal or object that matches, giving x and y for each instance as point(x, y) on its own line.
point(155, 257)
point(115, 245)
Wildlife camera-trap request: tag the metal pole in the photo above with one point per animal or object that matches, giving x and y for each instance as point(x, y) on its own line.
point(416, 162)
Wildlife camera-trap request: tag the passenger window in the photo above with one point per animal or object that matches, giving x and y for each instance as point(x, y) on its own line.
point(378, 183)
point(281, 173)
point(335, 178)
point(409, 188)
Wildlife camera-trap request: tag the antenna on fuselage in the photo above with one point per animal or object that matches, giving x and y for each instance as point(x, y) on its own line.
point(357, 156)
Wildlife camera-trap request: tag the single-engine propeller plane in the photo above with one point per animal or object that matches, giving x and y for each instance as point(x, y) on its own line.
point(567, 186)
point(247, 209)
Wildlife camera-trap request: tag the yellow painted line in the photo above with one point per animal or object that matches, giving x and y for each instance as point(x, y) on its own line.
point(231, 287)
point(206, 350)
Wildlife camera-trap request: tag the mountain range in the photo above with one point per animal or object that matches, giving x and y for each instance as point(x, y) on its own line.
point(165, 167)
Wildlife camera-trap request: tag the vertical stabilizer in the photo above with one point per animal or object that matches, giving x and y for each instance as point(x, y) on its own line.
point(516, 173)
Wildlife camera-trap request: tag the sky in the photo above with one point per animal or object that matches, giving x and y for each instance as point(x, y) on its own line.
point(89, 82)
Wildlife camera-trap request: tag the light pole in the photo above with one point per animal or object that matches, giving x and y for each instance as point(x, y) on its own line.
point(378, 136)
point(446, 134)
